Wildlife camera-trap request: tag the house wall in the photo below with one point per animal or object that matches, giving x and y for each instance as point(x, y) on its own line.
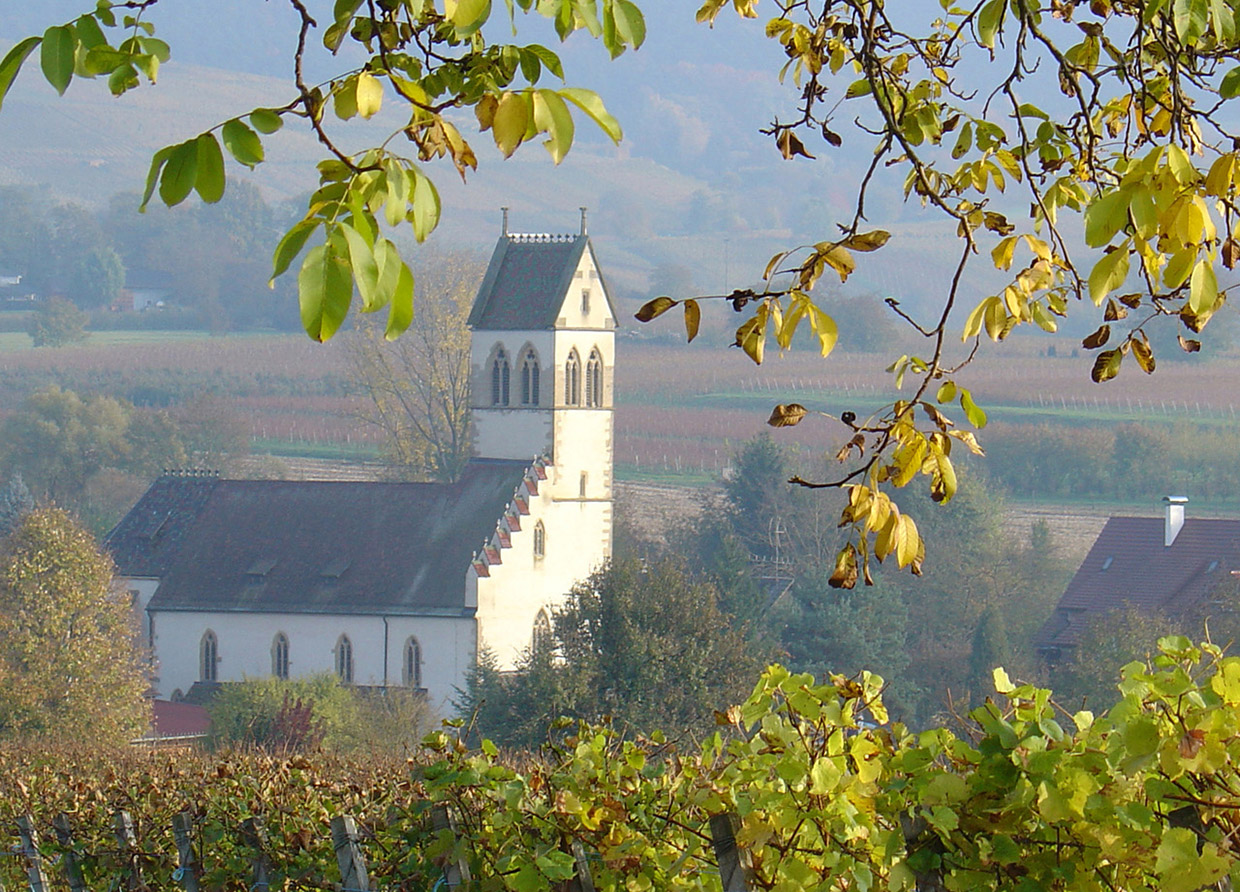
point(245, 643)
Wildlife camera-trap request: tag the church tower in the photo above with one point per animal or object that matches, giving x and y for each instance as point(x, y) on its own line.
point(543, 359)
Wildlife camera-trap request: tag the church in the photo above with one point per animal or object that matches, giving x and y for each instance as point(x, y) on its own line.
point(388, 584)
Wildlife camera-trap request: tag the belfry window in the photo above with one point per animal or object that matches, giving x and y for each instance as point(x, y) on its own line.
point(594, 380)
point(279, 656)
point(572, 380)
point(344, 659)
point(413, 663)
point(501, 373)
point(209, 657)
point(529, 378)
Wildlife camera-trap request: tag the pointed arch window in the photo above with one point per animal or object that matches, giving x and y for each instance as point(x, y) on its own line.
point(572, 380)
point(594, 379)
point(542, 631)
point(413, 663)
point(529, 378)
point(344, 659)
point(540, 540)
point(501, 374)
point(209, 657)
point(279, 656)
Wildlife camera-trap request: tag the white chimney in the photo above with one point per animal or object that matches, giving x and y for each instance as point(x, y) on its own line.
point(1174, 519)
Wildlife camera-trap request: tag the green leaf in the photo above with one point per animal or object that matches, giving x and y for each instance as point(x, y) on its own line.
point(630, 23)
point(209, 181)
point(180, 173)
point(1105, 217)
point(467, 16)
point(424, 213)
point(88, 32)
point(400, 313)
point(1109, 273)
point(551, 116)
point(290, 246)
point(56, 56)
point(1190, 18)
point(1202, 288)
point(512, 119)
point(152, 176)
point(1230, 87)
point(972, 411)
point(12, 63)
point(325, 289)
point(266, 120)
point(365, 270)
point(590, 103)
point(242, 142)
point(988, 22)
point(548, 59)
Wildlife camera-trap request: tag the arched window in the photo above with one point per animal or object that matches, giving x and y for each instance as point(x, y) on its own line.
point(209, 657)
point(279, 656)
point(344, 659)
point(501, 373)
point(594, 379)
point(413, 663)
point(572, 380)
point(529, 378)
point(542, 631)
point(540, 540)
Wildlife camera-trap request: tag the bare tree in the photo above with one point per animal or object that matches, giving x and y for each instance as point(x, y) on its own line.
point(418, 385)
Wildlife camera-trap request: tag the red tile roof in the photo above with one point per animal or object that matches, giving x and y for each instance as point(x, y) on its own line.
point(170, 719)
point(1130, 566)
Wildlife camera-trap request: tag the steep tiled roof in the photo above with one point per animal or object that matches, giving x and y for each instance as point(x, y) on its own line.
point(326, 547)
point(147, 539)
point(1129, 566)
point(526, 282)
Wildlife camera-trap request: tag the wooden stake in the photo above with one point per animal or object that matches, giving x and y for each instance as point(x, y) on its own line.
point(735, 866)
point(188, 867)
point(349, 857)
point(455, 872)
point(127, 842)
point(30, 849)
point(71, 863)
point(254, 835)
point(583, 881)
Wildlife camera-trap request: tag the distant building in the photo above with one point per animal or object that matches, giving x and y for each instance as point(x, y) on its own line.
point(1170, 565)
point(403, 583)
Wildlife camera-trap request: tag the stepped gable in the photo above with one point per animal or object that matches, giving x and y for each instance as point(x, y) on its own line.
point(147, 539)
point(526, 281)
point(1130, 566)
point(275, 546)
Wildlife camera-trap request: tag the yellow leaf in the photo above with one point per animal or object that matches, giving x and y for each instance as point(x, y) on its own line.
point(693, 318)
point(841, 261)
point(1003, 252)
point(908, 541)
point(369, 94)
point(788, 415)
point(512, 119)
point(652, 308)
point(867, 241)
point(1203, 289)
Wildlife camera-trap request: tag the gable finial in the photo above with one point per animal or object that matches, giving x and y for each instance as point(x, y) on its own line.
point(505, 223)
point(583, 221)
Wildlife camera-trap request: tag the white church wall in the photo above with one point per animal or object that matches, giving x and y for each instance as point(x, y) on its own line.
point(245, 643)
point(515, 431)
point(591, 312)
point(139, 590)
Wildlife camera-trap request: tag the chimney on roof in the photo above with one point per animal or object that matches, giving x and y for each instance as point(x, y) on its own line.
point(583, 221)
point(505, 223)
point(1174, 518)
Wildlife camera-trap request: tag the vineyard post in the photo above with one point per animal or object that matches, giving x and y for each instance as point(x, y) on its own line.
point(455, 872)
point(69, 860)
point(30, 849)
point(349, 857)
point(735, 867)
point(254, 835)
point(583, 881)
point(187, 867)
point(128, 845)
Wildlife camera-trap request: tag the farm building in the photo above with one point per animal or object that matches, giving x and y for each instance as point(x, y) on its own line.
point(404, 583)
point(1171, 565)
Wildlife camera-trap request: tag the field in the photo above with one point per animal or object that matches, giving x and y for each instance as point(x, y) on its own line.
point(681, 411)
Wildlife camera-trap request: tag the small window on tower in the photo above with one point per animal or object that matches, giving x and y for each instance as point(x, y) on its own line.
point(501, 373)
point(585, 478)
point(540, 540)
point(585, 301)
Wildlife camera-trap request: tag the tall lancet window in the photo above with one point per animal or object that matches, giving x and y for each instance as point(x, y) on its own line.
point(529, 378)
point(572, 380)
point(594, 379)
point(501, 374)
